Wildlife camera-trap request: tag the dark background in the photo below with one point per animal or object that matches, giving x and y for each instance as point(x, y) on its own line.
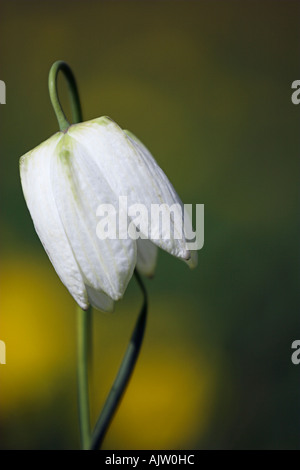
point(206, 85)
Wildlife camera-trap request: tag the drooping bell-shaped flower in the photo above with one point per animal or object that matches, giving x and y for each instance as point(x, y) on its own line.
point(67, 178)
point(91, 170)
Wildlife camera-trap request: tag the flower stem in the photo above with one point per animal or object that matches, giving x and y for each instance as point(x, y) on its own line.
point(83, 317)
point(123, 375)
point(83, 353)
point(63, 123)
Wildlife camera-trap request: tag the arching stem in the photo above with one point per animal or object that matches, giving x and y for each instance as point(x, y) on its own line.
point(63, 123)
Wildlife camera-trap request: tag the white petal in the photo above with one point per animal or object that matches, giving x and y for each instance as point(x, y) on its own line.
point(146, 257)
point(79, 188)
point(162, 189)
point(100, 300)
point(193, 261)
point(36, 183)
point(131, 171)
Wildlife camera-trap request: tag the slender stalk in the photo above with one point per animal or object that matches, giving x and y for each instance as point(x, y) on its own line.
point(63, 123)
point(83, 317)
point(83, 352)
point(123, 375)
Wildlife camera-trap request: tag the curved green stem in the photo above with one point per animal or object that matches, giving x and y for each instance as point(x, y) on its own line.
point(63, 123)
point(83, 317)
point(123, 375)
point(83, 353)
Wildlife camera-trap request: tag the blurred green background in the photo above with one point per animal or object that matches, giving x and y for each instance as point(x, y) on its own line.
point(206, 85)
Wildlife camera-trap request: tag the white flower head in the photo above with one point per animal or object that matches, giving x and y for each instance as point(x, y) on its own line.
point(64, 181)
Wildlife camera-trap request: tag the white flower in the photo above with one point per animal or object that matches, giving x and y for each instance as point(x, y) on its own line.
point(66, 178)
